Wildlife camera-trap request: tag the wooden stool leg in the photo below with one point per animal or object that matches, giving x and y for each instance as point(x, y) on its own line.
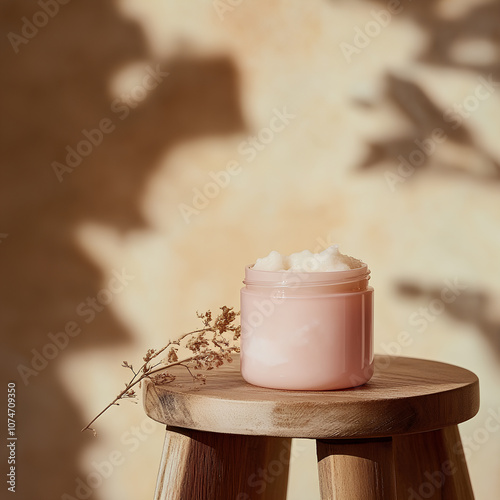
point(356, 469)
point(431, 465)
point(198, 465)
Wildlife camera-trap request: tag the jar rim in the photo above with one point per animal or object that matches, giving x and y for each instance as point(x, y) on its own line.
point(258, 277)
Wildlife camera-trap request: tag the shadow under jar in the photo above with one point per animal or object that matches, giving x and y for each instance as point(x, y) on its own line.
point(307, 330)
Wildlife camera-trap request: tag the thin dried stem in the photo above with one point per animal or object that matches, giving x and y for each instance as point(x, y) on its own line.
point(206, 352)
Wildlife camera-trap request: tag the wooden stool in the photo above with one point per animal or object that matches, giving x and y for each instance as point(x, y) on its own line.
point(394, 438)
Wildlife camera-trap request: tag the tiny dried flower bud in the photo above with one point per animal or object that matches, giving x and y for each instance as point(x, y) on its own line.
point(149, 355)
point(172, 356)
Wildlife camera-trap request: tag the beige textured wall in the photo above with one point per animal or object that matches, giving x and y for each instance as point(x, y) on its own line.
point(355, 103)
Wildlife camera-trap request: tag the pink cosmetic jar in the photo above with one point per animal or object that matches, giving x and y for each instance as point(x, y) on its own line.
point(307, 330)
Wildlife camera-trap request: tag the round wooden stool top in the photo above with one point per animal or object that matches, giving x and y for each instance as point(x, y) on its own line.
point(405, 395)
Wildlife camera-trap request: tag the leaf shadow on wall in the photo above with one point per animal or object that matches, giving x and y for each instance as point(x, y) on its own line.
point(57, 86)
point(444, 35)
point(473, 308)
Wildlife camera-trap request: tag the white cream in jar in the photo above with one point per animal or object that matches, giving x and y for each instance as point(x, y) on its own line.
point(307, 321)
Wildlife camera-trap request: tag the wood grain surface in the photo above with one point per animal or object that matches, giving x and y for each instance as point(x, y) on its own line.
point(432, 465)
point(199, 465)
point(405, 395)
point(354, 470)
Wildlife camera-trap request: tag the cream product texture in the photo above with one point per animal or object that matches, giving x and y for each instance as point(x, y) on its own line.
point(329, 259)
point(303, 329)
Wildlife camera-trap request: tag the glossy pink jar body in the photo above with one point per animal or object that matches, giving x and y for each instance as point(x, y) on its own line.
point(307, 331)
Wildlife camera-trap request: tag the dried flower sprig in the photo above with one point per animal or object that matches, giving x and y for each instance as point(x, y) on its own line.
point(209, 348)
